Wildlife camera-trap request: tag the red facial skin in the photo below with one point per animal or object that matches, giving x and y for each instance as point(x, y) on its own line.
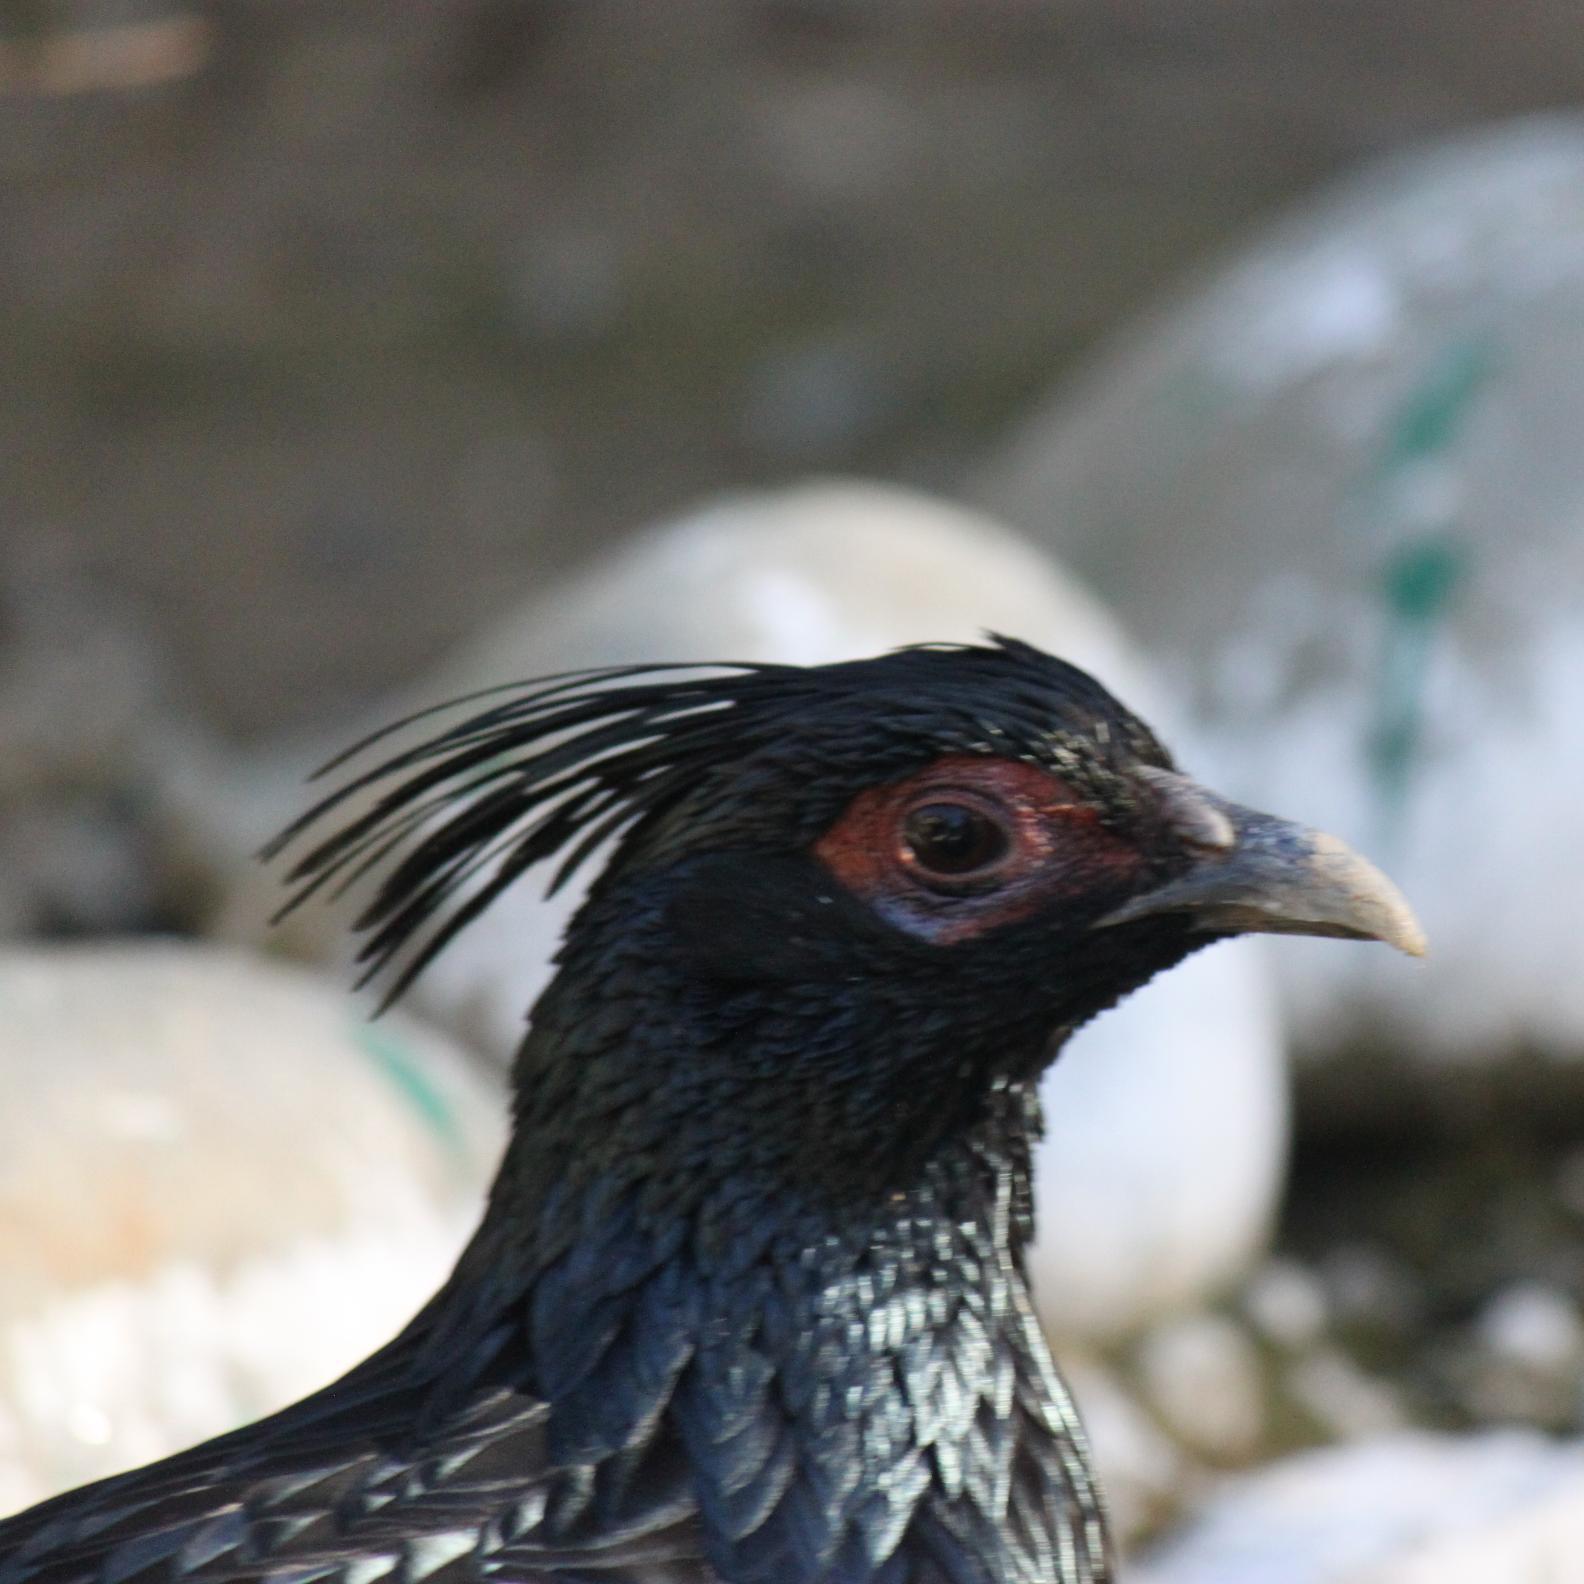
point(1055, 847)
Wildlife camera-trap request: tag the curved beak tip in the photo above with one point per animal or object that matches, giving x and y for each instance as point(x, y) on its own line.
point(1371, 906)
point(1268, 876)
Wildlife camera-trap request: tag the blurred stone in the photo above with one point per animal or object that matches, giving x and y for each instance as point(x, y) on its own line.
point(1366, 1286)
point(1166, 1121)
point(1526, 1359)
point(79, 678)
point(1339, 486)
point(1340, 1396)
point(85, 863)
point(219, 1188)
point(1164, 1147)
point(1202, 1375)
point(1535, 1326)
point(84, 700)
point(1144, 1474)
point(1286, 1303)
point(1402, 1509)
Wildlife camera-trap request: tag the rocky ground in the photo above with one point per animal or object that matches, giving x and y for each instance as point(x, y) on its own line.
point(1434, 1284)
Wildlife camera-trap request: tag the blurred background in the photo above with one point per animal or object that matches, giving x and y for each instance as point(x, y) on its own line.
point(1235, 347)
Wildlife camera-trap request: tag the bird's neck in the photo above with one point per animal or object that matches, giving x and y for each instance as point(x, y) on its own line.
point(639, 1069)
point(582, 1225)
point(838, 1386)
point(664, 1260)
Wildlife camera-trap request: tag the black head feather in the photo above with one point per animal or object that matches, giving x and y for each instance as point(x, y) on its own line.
point(559, 766)
point(747, 1303)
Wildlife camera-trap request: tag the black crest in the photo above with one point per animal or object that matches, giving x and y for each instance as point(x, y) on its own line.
point(560, 765)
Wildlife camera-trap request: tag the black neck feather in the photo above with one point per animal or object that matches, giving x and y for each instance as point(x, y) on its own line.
point(839, 1346)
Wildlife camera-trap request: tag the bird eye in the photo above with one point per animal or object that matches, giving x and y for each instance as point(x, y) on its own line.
point(954, 839)
point(969, 843)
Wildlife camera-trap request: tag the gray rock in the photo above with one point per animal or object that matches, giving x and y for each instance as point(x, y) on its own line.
point(1368, 1285)
point(1526, 1358)
point(219, 1188)
point(1535, 1327)
point(1338, 484)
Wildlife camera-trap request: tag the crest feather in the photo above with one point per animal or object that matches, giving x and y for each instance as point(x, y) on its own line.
point(560, 765)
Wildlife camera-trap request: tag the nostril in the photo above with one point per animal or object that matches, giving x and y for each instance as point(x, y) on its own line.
point(1209, 828)
point(1189, 811)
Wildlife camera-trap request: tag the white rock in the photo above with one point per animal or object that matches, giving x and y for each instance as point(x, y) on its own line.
point(1286, 1303)
point(1535, 1326)
point(1339, 486)
point(1201, 1374)
point(1340, 1395)
point(1167, 1120)
point(219, 1188)
point(1165, 1147)
point(1404, 1509)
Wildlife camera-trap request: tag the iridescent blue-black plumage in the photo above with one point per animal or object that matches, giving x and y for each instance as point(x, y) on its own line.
point(552, 769)
point(747, 1302)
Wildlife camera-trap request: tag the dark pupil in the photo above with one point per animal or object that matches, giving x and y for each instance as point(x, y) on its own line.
point(951, 839)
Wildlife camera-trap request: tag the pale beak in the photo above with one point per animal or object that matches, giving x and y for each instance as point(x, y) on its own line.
point(1255, 874)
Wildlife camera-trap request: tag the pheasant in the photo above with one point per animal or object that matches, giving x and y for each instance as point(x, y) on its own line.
point(747, 1304)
